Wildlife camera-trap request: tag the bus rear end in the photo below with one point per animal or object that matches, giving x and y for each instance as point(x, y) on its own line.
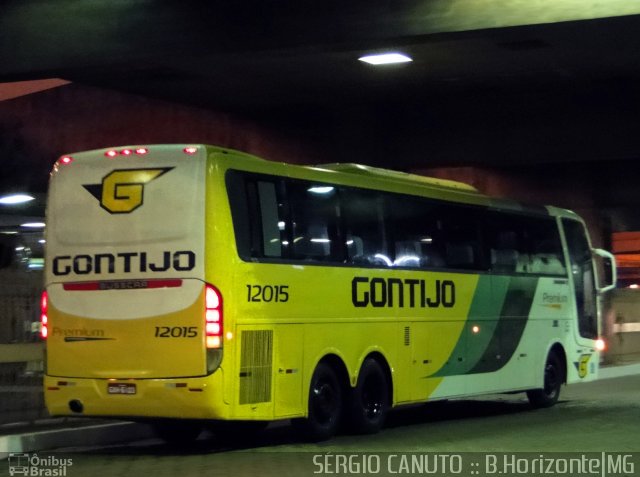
point(131, 326)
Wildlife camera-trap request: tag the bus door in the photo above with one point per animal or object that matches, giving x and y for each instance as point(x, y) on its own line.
point(585, 295)
point(584, 283)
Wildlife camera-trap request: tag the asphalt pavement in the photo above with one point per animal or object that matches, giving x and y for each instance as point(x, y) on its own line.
point(67, 432)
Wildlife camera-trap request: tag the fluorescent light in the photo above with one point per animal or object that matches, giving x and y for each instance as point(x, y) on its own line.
point(15, 199)
point(385, 59)
point(34, 225)
point(320, 189)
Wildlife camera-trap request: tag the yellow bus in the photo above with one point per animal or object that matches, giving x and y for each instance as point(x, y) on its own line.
point(191, 285)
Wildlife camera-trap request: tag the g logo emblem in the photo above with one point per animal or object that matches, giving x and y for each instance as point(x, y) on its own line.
point(122, 190)
point(581, 365)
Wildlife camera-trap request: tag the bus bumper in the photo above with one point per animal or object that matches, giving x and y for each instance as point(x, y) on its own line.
point(188, 398)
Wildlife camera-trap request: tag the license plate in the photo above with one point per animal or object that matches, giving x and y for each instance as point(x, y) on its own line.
point(121, 388)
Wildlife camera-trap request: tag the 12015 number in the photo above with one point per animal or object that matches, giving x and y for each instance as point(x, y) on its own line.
point(268, 293)
point(176, 331)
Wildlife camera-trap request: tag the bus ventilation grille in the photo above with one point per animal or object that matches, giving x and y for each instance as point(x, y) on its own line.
point(407, 335)
point(256, 366)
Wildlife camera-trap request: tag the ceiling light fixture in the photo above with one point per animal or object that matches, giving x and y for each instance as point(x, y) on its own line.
point(15, 199)
point(385, 59)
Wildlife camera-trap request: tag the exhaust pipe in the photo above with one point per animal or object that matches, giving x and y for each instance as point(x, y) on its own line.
point(76, 406)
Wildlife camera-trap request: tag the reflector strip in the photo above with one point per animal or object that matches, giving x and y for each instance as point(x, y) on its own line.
point(122, 285)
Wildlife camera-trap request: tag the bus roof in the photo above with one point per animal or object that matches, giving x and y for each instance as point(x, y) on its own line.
point(397, 176)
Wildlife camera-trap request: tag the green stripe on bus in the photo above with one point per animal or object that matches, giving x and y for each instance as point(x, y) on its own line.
point(494, 341)
point(483, 306)
point(508, 332)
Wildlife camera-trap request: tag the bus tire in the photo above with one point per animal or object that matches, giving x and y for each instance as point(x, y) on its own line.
point(369, 399)
point(176, 432)
point(325, 406)
point(553, 379)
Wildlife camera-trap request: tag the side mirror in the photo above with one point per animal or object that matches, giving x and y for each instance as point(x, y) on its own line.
point(613, 274)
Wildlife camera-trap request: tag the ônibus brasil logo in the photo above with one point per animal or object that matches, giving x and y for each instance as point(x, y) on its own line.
point(32, 465)
point(122, 190)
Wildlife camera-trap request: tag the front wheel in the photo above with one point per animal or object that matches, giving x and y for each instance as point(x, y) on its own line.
point(553, 379)
point(325, 405)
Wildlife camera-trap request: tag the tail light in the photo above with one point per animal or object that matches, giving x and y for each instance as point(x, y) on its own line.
point(213, 317)
point(44, 320)
point(140, 151)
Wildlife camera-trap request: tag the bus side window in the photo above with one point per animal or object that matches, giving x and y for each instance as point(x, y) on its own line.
point(523, 244)
point(364, 228)
point(314, 221)
point(258, 226)
point(414, 231)
point(544, 248)
point(272, 226)
point(238, 192)
point(462, 238)
point(503, 238)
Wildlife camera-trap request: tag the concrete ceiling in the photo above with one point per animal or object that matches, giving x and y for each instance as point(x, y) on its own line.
point(479, 65)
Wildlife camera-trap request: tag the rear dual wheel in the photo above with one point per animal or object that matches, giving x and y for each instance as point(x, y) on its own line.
point(370, 399)
point(364, 409)
point(325, 406)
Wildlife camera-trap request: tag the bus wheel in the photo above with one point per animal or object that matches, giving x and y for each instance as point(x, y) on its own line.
point(553, 379)
point(177, 433)
point(370, 399)
point(325, 405)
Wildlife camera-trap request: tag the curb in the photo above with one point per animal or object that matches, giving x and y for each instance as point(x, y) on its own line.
point(610, 372)
point(96, 435)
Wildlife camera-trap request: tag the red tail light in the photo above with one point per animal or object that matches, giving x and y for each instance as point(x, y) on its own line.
point(44, 320)
point(213, 317)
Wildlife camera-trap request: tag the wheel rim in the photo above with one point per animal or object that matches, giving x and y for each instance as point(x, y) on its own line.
point(551, 380)
point(324, 403)
point(372, 398)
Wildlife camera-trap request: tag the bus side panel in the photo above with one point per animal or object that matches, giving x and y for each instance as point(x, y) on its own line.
point(288, 371)
point(511, 327)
